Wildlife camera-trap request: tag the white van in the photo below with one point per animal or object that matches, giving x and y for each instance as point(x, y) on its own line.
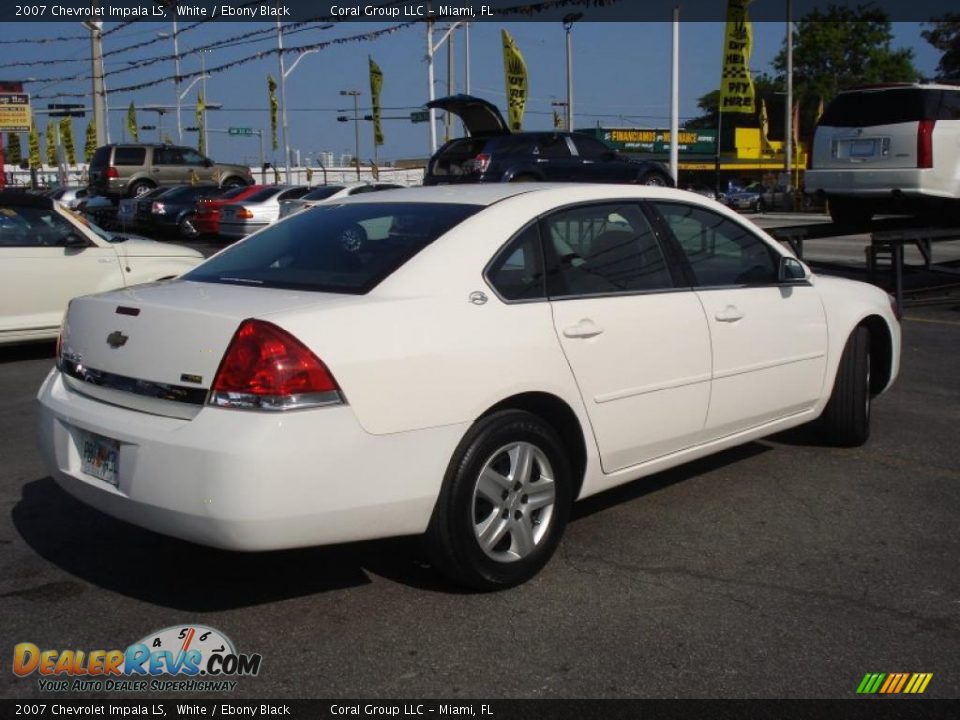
point(888, 148)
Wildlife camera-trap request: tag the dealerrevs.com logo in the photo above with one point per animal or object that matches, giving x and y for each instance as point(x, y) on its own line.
point(182, 658)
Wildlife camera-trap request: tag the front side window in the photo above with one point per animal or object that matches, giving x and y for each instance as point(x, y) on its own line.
point(720, 251)
point(591, 148)
point(604, 248)
point(517, 271)
point(167, 156)
point(553, 146)
point(334, 248)
point(192, 157)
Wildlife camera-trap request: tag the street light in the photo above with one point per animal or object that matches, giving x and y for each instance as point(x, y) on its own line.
point(176, 75)
point(99, 92)
point(568, 21)
point(355, 94)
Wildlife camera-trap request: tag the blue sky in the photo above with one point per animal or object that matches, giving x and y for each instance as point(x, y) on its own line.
point(621, 76)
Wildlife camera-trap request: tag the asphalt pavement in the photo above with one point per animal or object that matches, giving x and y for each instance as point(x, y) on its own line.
point(780, 569)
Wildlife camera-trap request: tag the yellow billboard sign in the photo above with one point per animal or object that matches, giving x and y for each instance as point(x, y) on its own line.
point(14, 112)
point(736, 85)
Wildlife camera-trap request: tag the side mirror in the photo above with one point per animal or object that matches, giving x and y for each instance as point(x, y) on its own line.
point(75, 241)
point(791, 270)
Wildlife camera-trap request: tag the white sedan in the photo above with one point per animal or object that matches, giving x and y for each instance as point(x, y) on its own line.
point(49, 254)
point(461, 362)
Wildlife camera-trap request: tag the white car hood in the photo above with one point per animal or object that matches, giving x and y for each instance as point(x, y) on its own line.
point(135, 246)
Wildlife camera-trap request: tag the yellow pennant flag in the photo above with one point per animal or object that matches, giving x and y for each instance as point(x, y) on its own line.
point(765, 147)
point(515, 70)
point(201, 119)
point(376, 83)
point(736, 85)
point(132, 123)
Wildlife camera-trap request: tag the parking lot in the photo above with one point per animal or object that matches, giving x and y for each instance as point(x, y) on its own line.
point(778, 569)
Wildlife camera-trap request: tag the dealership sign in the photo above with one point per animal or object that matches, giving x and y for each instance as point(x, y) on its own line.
point(657, 140)
point(14, 112)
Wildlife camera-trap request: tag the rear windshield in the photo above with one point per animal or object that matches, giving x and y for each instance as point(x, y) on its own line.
point(347, 248)
point(887, 107)
point(264, 194)
point(129, 155)
point(101, 157)
point(231, 192)
point(322, 193)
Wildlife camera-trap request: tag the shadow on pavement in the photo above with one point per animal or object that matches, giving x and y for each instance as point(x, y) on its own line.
point(29, 351)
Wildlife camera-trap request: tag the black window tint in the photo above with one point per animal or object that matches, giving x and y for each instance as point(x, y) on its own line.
point(517, 271)
point(361, 189)
point(720, 251)
point(101, 157)
point(322, 192)
point(590, 148)
point(950, 105)
point(513, 146)
point(553, 146)
point(264, 194)
point(865, 108)
point(192, 157)
point(292, 193)
point(167, 156)
point(338, 248)
point(33, 227)
point(604, 248)
point(129, 155)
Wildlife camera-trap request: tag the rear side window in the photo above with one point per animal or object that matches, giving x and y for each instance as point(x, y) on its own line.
point(552, 146)
point(339, 248)
point(888, 107)
point(129, 156)
point(591, 148)
point(323, 192)
point(264, 194)
point(101, 157)
point(517, 272)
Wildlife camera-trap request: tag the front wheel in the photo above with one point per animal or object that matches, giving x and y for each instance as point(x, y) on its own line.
point(504, 503)
point(846, 419)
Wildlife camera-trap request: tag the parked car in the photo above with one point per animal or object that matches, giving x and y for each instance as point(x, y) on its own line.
point(207, 219)
point(127, 208)
point(173, 211)
point(888, 148)
point(492, 153)
point(327, 193)
point(69, 196)
point(49, 254)
point(134, 169)
point(258, 210)
point(462, 362)
point(759, 199)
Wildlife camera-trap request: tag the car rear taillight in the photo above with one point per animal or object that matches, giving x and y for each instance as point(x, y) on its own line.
point(112, 173)
point(266, 368)
point(925, 143)
point(243, 213)
point(158, 208)
point(480, 163)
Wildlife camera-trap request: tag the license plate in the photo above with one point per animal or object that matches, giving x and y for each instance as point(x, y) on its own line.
point(862, 148)
point(99, 457)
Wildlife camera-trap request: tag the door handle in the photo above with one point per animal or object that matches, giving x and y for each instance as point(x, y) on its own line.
point(729, 314)
point(583, 329)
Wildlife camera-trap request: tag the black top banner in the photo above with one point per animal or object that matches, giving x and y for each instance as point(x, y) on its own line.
point(125, 11)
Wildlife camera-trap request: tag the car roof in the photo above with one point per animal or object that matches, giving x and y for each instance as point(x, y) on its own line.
point(489, 194)
point(19, 198)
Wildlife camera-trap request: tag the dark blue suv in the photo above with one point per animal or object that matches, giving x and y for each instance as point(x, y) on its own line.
point(492, 153)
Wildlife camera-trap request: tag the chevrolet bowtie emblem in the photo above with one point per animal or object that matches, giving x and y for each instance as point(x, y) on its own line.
point(117, 339)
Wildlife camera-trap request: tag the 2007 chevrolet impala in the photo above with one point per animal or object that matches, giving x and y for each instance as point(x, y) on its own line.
point(462, 362)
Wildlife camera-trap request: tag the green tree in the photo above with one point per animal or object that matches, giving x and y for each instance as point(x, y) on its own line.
point(837, 49)
point(66, 137)
point(33, 146)
point(945, 36)
point(14, 151)
point(764, 86)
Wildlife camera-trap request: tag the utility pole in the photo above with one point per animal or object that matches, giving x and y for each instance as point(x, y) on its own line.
point(176, 80)
point(568, 22)
point(788, 139)
point(430, 90)
point(355, 94)
point(99, 93)
point(675, 99)
point(203, 74)
point(450, 87)
point(283, 104)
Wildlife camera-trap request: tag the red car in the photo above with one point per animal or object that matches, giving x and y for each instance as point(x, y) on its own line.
point(207, 218)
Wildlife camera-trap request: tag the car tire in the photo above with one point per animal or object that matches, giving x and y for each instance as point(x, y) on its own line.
point(233, 182)
point(495, 525)
point(846, 419)
point(850, 213)
point(141, 187)
point(654, 178)
point(187, 228)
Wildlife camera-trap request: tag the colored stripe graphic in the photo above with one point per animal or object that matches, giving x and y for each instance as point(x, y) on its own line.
point(894, 683)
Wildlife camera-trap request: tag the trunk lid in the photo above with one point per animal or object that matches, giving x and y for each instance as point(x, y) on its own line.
point(480, 118)
point(156, 348)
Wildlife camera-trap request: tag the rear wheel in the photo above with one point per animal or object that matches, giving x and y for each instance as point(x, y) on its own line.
point(654, 178)
point(231, 183)
point(504, 502)
point(849, 212)
point(846, 419)
point(187, 227)
point(140, 188)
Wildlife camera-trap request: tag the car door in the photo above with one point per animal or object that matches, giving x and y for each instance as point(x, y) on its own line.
point(555, 157)
point(637, 342)
point(40, 275)
point(199, 165)
point(169, 167)
point(599, 163)
point(769, 340)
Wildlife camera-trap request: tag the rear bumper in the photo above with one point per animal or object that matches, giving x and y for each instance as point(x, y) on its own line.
point(877, 184)
point(244, 480)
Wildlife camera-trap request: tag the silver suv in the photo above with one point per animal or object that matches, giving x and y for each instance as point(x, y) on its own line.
point(888, 148)
point(134, 169)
